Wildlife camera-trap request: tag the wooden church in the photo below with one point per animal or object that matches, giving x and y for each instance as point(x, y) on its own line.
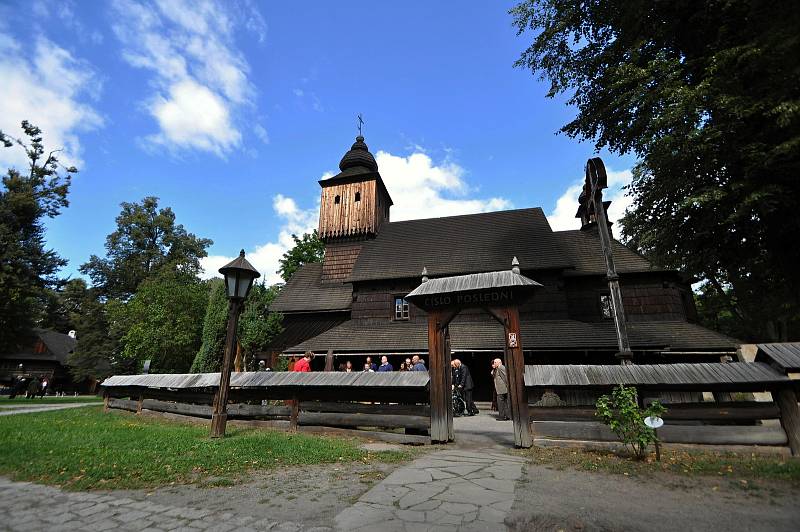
point(353, 303)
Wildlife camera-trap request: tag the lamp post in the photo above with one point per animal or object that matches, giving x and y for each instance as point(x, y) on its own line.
point(239, 276)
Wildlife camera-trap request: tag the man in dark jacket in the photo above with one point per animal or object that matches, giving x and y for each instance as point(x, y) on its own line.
point(465, 385)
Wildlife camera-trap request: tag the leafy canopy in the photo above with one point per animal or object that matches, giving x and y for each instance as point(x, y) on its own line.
point(147, 242)
point(707, 95)
point(307, 249)
point(28, 268)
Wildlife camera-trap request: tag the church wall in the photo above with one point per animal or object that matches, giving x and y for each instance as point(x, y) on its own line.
point(646, 297)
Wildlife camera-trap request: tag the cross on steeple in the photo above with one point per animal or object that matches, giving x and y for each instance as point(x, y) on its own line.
point(360, 124)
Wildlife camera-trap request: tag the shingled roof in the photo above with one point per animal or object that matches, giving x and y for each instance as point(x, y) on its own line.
point(583, 249)
point(485, 242)
point(305, 292)
point(59, 346)
point(360, 336)
point(461, 244)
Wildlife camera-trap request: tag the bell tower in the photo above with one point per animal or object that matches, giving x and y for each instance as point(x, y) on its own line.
point(353, 206)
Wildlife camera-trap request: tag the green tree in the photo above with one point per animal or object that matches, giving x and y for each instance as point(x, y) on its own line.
point(27, 268)
point(307, 249)
point(162, 322)
point(147, 243)
point(257, 325)
point(209, 356)
point(96, 353)
point(707, 95)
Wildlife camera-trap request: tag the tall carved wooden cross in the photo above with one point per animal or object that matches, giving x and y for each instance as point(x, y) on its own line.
point(592, 205)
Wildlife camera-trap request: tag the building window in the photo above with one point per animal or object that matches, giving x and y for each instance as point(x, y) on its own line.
point(358, 196)
point(400, 308)
point(337, 200)
point(605, 306)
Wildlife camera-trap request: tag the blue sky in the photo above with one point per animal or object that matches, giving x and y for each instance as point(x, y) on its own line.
point(230, 112)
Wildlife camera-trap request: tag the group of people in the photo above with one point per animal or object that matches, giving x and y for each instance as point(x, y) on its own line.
point(462, 379)
point(31, 387)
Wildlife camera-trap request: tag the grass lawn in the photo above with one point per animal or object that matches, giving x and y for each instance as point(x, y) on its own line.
point(734, 466)
point(84, 449)
point(48, 400)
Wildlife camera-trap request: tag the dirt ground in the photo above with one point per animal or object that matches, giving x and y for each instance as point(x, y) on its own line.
point(312, 495)
point(550, 499)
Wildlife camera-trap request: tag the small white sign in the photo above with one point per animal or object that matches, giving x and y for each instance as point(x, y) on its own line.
point(512, 340)
point(653, 422)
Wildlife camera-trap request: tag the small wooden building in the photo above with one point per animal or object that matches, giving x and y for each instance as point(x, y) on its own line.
point(354, 305)
point(44, 357)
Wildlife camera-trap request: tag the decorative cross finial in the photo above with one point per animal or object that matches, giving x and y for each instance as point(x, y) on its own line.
point(360, 124)
point(424, 274)
point(515, 265)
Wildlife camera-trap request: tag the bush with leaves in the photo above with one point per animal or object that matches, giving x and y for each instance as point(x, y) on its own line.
point(621, 412)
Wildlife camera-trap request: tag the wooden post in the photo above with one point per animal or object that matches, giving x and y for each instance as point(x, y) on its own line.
point(295, 414)
point(515, 366)
point(440, 377)
point(596, 178)
point(329, 360)
point(237, 362)
point(786, 400)
point(219, 418)
point(105, 401)
point(139, 404)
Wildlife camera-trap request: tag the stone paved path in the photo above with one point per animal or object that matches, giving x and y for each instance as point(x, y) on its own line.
point(9, 410)
point(30, 507)
point(444, 491)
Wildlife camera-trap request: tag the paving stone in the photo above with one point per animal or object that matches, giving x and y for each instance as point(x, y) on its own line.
point(457, 508)
point(410, 515)
point(287, 527)
point(131, 515)
point(505, 486)
point(490, 515)
point(427, 505)
point(408, 476)
point(106, 524)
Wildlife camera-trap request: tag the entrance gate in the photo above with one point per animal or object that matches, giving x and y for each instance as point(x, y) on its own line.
point(498, 293)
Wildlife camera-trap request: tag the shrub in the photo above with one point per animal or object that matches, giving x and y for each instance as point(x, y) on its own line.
point(622, 414)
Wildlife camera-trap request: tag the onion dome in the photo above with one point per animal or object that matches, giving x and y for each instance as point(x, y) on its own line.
point(358, 156)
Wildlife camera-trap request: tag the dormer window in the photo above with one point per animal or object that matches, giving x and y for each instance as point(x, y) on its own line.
point(337, 200)
point(358, 196)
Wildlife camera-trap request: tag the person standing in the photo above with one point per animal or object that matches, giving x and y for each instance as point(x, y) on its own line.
point(304, 364)
point(385, 366)
point(372, 365)
point(418, 364)
point(500, 378)
point(465, 385)
point(408, 363)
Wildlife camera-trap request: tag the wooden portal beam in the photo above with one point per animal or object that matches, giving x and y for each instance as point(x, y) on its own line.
point(440, 377)
point(515, 367)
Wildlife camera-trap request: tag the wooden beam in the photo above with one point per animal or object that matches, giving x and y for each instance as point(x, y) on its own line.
point(329, 360)
point(139, 403)
point(366, 408)
point(439, 371)
point(105, 400)
point(704, 434)
point(748, 411)
point(335, 419)
point(295, 414)
point(515, 366)
point(790, 417)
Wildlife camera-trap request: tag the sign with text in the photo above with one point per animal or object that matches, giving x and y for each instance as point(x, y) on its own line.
point(513, 340)
point(488, 298)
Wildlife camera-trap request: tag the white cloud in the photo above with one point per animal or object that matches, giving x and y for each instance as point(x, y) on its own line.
point(51, 89)
point(422, 189)
point(563, 216)
point(184, 127)
point(199, 78)
point(266, 257)
point(418, 187)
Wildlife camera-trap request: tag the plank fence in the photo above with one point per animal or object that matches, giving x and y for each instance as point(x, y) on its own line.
point(386, 406)
point(716, 423)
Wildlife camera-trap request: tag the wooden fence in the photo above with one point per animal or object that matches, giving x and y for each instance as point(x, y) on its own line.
point(717, 423)
point(390, 406)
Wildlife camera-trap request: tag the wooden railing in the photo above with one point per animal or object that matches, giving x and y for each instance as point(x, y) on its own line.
point(376, 407)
